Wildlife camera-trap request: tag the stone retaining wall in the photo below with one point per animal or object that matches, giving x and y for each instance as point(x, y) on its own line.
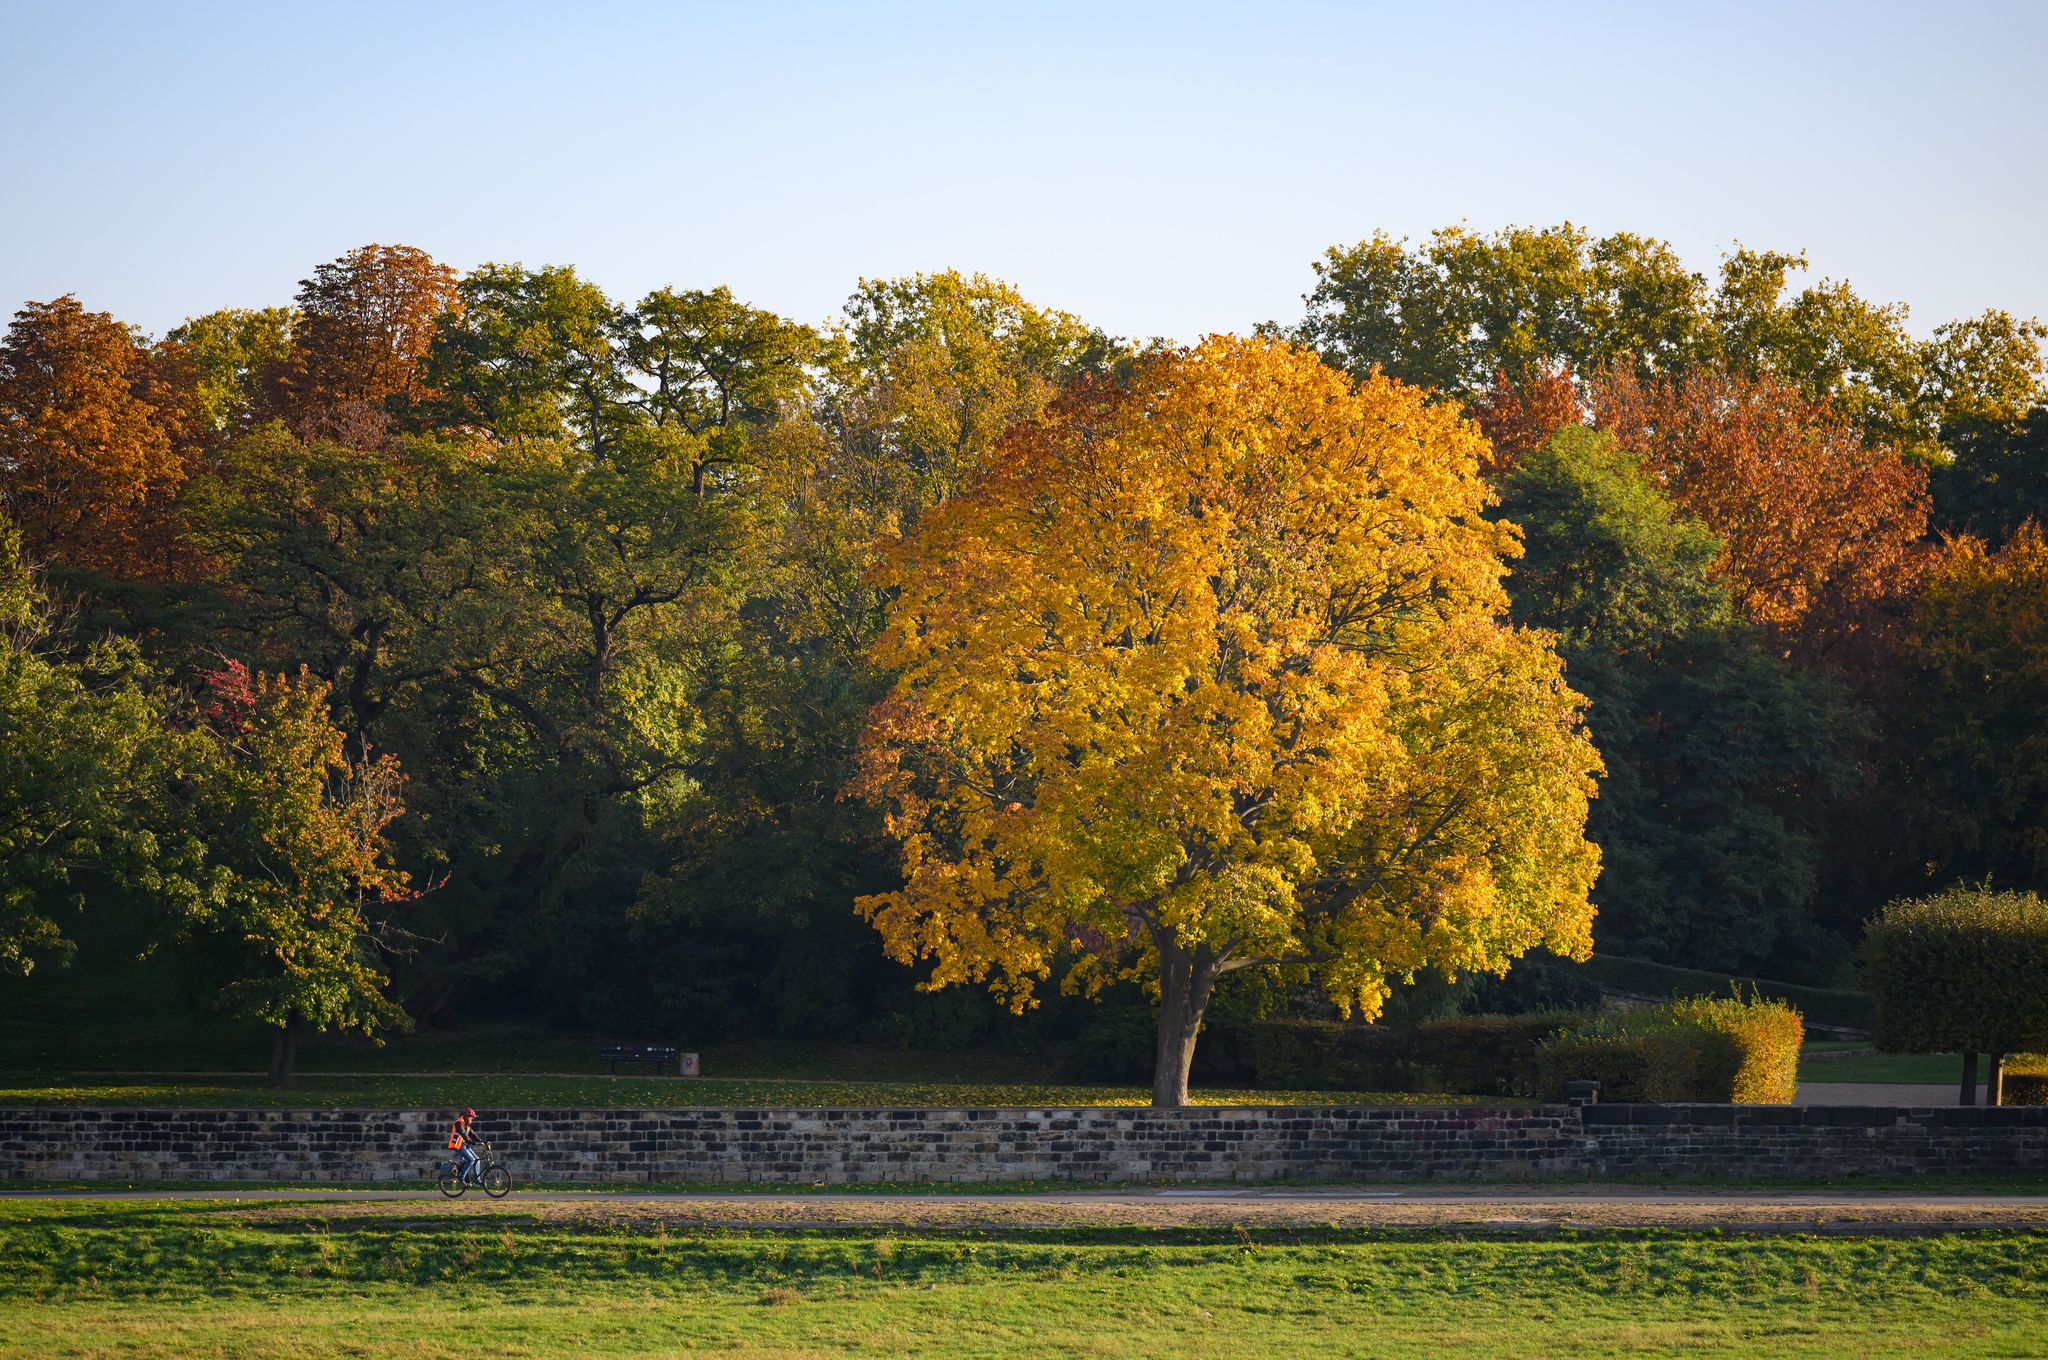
point(983, 1145)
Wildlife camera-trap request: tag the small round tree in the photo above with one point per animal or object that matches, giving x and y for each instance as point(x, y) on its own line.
point(1965, 970)
point(1208, 670)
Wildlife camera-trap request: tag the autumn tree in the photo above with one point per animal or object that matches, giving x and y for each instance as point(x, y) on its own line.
point(295, 826)
point(1208, 673)
point(1819, 528)
point(365, 323)
point(95, 430)
point(1519, 414)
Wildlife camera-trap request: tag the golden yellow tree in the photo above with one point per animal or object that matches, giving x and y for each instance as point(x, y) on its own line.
point(1208, 671)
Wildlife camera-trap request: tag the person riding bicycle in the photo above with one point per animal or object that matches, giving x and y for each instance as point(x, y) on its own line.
point(461, 1140)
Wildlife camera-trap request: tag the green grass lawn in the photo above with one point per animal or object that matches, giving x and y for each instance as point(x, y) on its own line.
point(1913, 1068)
point(205, 1279)
point(536, 1092)
point(1926, 1069)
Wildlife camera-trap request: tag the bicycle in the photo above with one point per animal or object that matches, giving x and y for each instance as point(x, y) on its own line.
point(492, 1177)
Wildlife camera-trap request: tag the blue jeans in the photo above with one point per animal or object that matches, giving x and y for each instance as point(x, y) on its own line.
point(468, 1166)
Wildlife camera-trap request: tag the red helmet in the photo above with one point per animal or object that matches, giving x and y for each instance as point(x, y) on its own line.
point(469, 1114)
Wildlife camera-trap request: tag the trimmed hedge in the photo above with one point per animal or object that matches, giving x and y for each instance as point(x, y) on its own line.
point(1963, 971)
point(1822, 1005)
point(1486, 1055)
point(1296, 1055)
point(1709, 1050)
point(1465, 1055)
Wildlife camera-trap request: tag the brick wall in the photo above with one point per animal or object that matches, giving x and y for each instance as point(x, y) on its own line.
point(972, 1146)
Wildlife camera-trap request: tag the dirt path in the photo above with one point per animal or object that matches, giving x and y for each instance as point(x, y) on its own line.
point(1488, 1208)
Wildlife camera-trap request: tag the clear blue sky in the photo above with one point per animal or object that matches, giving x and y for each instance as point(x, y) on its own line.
point(1160, 169)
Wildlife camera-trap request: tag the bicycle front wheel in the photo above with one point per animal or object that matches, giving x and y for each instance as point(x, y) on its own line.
point(497, 1182)
point(450, 1181)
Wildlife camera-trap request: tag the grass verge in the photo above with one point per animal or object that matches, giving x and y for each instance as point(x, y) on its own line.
point(2018, 1183)
point(157, 1280)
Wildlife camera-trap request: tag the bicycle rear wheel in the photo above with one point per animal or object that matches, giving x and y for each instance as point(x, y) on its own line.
point(450, 1181)
point(497, 1181)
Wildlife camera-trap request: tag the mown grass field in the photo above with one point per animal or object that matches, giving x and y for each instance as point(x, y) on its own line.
point(146, 1279)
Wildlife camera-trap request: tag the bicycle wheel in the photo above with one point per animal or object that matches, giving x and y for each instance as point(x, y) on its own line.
point(450, 1181)
point(497, 1181)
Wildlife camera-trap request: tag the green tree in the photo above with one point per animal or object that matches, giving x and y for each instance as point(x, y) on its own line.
point(230, 350)
point(1997, 479)
point(533, 354)
point(295, 829)
point(85, 761)
point(928, 373)
point(1974, 757)
point(719, 369)
point(1722, 761)
point(1454, 311)
point(364, 565)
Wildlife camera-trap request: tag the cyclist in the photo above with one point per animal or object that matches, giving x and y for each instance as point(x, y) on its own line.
point(461, 1135)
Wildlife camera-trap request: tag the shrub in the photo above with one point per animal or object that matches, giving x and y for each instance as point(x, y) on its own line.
point(1713, 1050)
point(2026, 1088)
point(1485, 1054)
point(1961, 971)
point(1302, 1055)
point(2026, 1080)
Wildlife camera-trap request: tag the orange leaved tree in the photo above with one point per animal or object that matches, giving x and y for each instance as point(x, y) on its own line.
point(94, 435)
point(1821, 528)
point(365, 323)
point(1208, 672)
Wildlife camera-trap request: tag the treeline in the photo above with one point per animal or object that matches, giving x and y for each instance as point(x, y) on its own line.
point(481, 642)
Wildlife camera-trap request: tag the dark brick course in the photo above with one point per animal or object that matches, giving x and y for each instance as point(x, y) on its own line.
point(971, 1146)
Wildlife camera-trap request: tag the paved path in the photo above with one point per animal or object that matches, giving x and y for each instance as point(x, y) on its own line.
point(1875, 1093)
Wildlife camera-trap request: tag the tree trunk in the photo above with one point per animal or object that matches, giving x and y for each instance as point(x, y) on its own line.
point(1969, 1095)
point(1994, 1079)
point(1186, 977)
point(284, 1047)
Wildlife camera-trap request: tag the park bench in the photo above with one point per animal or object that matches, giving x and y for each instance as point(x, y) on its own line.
point(657, 1054)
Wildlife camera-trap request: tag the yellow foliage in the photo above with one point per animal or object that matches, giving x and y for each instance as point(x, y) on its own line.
point(1214, 661)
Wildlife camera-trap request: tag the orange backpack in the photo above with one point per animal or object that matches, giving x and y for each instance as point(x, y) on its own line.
point(455, 1136)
